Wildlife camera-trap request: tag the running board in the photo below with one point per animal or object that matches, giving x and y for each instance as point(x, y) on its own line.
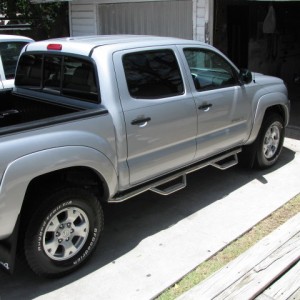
point(167, 185)
point(166, 189)
point(226, 163)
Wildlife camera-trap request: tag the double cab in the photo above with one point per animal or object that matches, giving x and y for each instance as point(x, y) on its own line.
point(101, 119)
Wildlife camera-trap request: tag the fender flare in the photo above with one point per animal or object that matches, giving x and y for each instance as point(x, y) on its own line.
point(23, 170)
point(265, 102)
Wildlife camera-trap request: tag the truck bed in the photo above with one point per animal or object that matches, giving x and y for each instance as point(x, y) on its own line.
point(16, 110)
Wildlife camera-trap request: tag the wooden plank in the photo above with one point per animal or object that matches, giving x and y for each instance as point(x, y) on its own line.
point(265, 273)
point(232, 272)
point(286, 286)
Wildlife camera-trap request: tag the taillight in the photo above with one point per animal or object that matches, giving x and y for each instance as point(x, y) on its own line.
point(54, 47)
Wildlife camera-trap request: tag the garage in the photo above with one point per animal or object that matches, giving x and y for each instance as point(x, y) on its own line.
point(262, 36)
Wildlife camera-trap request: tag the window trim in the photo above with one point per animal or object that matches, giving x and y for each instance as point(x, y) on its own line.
point(232, 67)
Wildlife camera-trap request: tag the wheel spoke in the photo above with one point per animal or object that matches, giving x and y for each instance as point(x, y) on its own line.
point(73, 215)
point(71, 249)
point(53, 225)
point(81, 230)
point(51, 247)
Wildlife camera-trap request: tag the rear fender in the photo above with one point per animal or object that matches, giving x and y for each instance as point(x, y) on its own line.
point(22, 171)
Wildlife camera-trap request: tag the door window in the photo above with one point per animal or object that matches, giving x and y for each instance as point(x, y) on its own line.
point(209, 70)
point(10, 52)
point(152, 74)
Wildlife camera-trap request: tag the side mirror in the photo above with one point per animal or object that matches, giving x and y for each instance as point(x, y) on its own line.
point(245, 76)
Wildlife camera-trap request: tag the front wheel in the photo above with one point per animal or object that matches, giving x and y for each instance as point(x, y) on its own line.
point(270, 141)
point(63, 232)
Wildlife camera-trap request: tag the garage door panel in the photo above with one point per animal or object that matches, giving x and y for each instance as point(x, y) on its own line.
point(174, 18)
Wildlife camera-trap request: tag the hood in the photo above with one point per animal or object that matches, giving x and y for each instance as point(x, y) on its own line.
point(265, 79)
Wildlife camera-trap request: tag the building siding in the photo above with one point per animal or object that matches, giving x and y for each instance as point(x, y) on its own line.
point(85, 18)
point(142, 18)
point(82, 19)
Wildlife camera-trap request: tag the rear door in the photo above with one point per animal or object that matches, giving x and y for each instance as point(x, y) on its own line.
point(223, 106)
point(159, 112)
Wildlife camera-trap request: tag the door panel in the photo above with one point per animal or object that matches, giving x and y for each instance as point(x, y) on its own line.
point(165, 142)
point(224, 124)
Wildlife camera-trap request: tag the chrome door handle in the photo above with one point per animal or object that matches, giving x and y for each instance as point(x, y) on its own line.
point(141, 121)
point(205, 107)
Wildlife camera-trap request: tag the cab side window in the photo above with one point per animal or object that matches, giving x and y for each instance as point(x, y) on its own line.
point(209, 70)
point(152, 74)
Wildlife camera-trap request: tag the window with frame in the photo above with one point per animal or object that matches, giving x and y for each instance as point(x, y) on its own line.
point(153, 74)
point(10, 52)
point(57, 74)
point(209, 70)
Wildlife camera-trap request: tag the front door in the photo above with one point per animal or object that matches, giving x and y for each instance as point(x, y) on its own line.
point(222, 103)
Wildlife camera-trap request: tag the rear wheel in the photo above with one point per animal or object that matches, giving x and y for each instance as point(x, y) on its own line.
point(63, 232)
point(270, 141)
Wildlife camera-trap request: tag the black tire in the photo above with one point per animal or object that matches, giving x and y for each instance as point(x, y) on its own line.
point(63, 232)
point(269, 142)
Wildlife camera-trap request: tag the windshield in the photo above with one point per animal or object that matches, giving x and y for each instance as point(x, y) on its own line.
point(9, 52)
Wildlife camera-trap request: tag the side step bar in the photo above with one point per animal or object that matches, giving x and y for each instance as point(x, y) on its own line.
point(226, 163)
point(170, 183)
point(165, 191)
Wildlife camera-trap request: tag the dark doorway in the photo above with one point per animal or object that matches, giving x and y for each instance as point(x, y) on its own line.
point(238, 34)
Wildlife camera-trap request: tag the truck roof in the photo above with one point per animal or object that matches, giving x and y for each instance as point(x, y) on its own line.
point(16, 38)
point(85, 44)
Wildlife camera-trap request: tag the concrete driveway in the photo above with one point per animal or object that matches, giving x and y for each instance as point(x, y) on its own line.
point(152, 241)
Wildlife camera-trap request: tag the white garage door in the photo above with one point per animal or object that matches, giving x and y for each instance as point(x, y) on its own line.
point(163, 18)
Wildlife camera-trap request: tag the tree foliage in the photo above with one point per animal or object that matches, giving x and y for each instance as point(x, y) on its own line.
point(47, 20)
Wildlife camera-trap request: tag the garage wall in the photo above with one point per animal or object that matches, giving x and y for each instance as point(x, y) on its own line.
point(199, 19)
point(82, 19)
point(174, 18)
point(183, 18)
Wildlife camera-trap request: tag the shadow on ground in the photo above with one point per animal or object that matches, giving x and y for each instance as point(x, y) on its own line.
point(127, 224)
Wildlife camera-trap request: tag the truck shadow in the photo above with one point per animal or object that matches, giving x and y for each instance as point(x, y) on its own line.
point(127, 224)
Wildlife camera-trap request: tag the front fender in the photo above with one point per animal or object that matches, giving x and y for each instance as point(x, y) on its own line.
point(23, 170)
point(265, 102)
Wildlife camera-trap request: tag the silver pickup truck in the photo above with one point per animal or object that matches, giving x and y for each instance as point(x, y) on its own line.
point(101, 119)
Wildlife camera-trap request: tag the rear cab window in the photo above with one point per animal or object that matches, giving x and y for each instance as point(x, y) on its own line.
point(58, 74)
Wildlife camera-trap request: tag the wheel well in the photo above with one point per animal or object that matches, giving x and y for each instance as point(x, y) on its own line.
point(83, 177)
point(276, 109)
